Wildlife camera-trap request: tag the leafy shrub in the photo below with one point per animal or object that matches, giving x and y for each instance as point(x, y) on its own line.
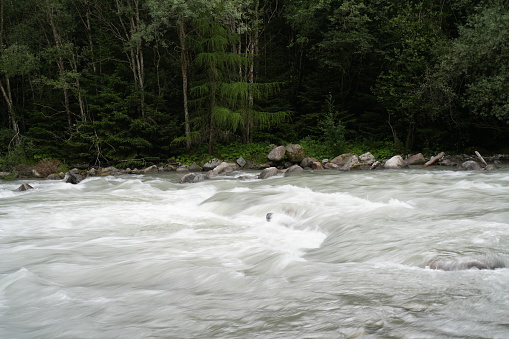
point(46, 167)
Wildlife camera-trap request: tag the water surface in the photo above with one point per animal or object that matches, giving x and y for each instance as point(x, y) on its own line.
point(346, 255)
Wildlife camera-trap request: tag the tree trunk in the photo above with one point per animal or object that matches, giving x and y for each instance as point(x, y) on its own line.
point(13, 123)
point(184, 64)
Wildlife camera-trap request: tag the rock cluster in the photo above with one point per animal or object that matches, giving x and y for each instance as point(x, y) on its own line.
point(284, 160)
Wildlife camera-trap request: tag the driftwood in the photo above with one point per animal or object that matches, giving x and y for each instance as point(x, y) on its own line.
point(481, 158)
point(434, 159)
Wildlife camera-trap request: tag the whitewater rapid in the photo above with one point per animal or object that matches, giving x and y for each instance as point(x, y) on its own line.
point(345, 255)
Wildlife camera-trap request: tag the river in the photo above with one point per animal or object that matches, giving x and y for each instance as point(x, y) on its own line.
point(345, 255)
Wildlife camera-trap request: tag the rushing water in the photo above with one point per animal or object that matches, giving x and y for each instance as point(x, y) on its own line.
point(345, 255)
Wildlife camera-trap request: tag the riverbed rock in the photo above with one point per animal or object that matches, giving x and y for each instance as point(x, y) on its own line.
point(294, 168)
point(416, 159)
point(295, 153)
point(330, 165)
point(277, 154)
point(342, 159)
point(317, 166)
point(352, 164)
point(225, 167)
point(151, 169)
point(23, 187)
point(307, 161)
point(241, 162)
point(71, 178)
point(210, 165)
point(54, 176)
point(367, 158)
point(268, 172)
point(395, 162)
point(471, 165)
point(195, 168)
point(192, 178)
point(183, 168)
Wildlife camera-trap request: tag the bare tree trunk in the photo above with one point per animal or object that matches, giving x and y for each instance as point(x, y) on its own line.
point(13, 123)
point(184, 64)
point(6, 89)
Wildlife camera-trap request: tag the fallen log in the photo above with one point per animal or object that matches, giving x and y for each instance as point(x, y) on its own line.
point(481, 158)
point(434, 159)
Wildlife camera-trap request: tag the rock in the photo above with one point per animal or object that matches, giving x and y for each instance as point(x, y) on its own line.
point(367, 158)
point(416, 159)
point(210, 165)
point(23, 187)
point(151, 169)
point(307, 162)
point(241, 162)
point(195, 168)
point(395, 162)
point(330, 165)
point(169, 168)
point(375, 165)
point(294, 168)
point(352, 164)
point(183, 168)
point(92, 172)
point(53, 176)
point(72, 178)
point(342, 159)
point(277, 154)
point(471, 165)
point(490, 167)
point(268, 172)
point(192, 178)
point(225, 167)
point(295, 153)
point(317, 165)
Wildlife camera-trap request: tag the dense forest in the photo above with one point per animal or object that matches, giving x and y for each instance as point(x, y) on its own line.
point(100, 81)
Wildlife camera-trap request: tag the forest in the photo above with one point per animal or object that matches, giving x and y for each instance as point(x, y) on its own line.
point(104, 81)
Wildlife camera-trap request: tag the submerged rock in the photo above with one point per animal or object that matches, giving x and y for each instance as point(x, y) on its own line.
point(471, 165)
point(268, 172)
point(23, 187)
point(72, 178)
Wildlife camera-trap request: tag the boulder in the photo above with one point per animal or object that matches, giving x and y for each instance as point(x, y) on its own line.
point(195, 168)
point(395, 162)
point(342, 159)
point(317, 165)
point(23, 187)
point(416, 159)
point(241, 162)
point(375, 165)
point(209, 165)
point(225, 167)
point(330, 165)
point(151, 169)
point(306, 162)
point(72, 178)
point(294, 168)
point(277, 154)
point(54, 176)
point(352, 164)
point(295, 153)
point(367, 158)
point(192, 178)
point(471, 165)
point(268, 172)
point(183, 168)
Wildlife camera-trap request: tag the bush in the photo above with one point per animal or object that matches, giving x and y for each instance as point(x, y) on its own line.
point(46, 167)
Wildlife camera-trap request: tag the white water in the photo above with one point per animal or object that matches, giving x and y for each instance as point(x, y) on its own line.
point(346, 255)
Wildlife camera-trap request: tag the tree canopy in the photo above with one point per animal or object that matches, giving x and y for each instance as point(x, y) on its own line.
point(100, 81)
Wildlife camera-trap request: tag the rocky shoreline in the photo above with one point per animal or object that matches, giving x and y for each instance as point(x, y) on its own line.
point(286, 159)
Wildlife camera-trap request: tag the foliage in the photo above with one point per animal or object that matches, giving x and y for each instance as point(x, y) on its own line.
point(108, 81)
